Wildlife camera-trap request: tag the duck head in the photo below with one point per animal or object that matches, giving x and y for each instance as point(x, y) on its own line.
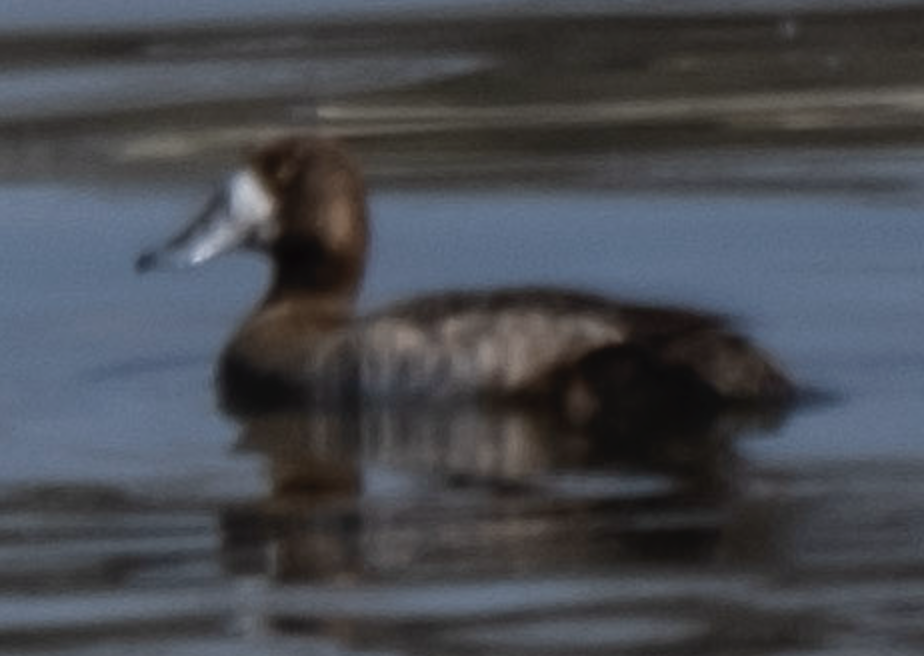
point(299, 200)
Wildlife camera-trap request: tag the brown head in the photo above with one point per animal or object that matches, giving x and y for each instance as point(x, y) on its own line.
point(300, 200)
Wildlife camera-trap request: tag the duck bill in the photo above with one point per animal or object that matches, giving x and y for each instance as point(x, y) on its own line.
point(235, 216)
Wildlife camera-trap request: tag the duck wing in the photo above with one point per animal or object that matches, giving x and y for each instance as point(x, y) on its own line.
point(500, 342)
point(511, 341)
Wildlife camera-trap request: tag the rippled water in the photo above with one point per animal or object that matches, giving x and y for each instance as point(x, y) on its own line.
point(767, 165)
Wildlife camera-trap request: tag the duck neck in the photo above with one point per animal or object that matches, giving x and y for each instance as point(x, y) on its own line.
point(310, 274)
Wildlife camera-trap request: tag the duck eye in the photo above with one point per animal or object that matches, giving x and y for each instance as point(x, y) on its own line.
point(279, 170)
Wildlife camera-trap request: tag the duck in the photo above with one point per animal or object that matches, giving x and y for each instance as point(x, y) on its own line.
point(301, 201)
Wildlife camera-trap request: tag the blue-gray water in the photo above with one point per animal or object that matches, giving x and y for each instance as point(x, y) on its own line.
point(769, 167)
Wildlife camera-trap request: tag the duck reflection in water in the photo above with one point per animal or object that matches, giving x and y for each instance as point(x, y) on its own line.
point(504, 386)
point(578, 497)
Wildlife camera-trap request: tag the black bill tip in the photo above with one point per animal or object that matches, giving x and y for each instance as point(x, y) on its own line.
point(146, 261)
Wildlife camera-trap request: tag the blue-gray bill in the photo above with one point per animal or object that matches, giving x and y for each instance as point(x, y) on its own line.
point(238, 215)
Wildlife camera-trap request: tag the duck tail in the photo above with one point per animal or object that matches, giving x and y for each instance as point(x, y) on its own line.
point(733, 366)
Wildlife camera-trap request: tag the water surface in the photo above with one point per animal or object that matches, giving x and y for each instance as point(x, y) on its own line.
point(764, 164)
